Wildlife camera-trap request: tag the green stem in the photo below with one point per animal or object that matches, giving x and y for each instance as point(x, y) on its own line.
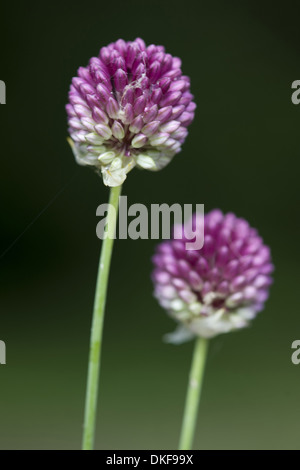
point(97, 324)
point(193, 394)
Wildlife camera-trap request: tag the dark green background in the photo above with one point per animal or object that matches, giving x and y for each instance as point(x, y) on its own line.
point(242, 155)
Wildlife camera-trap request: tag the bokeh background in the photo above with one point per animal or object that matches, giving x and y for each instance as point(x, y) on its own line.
point(242, 155)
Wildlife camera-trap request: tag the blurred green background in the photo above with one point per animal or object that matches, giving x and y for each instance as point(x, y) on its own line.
point(242, 155)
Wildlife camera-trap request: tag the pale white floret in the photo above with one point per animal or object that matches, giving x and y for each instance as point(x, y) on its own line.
point(146, 162)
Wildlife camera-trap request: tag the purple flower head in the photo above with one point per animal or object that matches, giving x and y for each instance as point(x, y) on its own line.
point(130, 106)
point(220, 287)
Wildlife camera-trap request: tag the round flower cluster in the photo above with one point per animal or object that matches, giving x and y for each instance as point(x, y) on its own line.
point(220, 287)
point(130, 106)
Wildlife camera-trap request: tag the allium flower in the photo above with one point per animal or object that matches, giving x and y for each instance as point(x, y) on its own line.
point(130, 106)
point(218, 288)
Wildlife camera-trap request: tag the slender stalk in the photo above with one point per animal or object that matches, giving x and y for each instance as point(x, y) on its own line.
point(193, 394)
point(97, 324)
